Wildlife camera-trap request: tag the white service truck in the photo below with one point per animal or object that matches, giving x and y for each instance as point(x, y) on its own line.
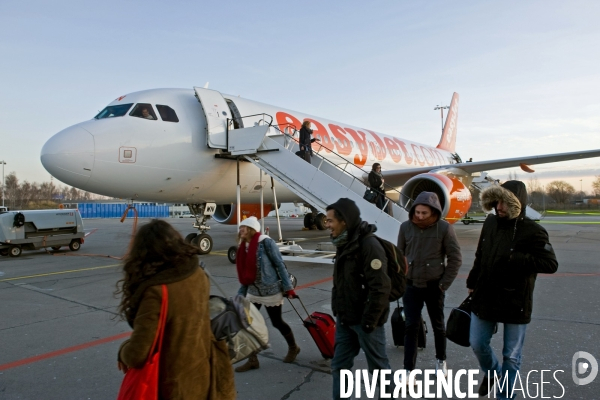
point(36, 229)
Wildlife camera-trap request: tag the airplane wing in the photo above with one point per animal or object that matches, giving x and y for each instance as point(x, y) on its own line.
point(399, 177)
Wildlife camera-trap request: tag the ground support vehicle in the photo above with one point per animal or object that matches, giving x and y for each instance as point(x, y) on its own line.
point(36, 229)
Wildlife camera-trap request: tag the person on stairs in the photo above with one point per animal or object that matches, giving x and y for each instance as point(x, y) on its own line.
point(264, 281)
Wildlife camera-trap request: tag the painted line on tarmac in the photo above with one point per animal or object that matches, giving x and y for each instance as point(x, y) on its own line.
point(314, 283)
point(57, 273)
point(87, 345)
point(570, 222)
point(57, 353)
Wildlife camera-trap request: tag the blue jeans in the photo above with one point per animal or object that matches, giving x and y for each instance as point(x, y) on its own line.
point(514, 338)
point(348, 342)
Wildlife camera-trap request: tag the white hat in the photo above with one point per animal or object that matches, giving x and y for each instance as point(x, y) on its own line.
point(251, 222)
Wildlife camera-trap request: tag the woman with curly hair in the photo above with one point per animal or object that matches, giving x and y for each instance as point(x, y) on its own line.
point(192, 365)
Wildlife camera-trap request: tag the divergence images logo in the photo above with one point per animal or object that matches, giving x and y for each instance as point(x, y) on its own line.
point(581, 367)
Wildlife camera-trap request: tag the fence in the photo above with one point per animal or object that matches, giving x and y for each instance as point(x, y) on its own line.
point(103, 210)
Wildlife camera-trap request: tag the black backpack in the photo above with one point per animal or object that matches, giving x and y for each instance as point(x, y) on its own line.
point(396, 268)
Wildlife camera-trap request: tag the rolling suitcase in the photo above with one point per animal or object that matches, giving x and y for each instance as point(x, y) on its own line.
point(321, 327)
point(399, 327)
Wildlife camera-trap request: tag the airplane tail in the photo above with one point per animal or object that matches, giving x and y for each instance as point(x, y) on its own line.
point(448, 140)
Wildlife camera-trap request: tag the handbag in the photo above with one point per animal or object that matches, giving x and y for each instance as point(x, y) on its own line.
point(293, 279)
point(142, 383)
point(370, 195)
point(459, 324)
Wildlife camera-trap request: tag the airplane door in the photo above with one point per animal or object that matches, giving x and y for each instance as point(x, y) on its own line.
point(216, 111)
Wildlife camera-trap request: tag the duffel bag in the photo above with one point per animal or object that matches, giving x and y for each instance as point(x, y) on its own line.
point(459, 324)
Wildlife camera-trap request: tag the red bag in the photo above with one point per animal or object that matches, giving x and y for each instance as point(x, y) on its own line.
point(321, 327)
point(142, 383)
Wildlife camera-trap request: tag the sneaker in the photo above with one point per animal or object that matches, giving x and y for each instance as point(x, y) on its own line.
point(440, 365)
point(485, 388)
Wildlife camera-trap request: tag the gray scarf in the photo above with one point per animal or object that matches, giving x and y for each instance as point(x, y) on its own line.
point(341, 240)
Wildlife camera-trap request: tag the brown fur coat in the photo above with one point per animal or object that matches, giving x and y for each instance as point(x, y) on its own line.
point(193, 365)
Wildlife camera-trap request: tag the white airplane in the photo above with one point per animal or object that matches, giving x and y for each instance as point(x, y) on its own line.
point(170, 145)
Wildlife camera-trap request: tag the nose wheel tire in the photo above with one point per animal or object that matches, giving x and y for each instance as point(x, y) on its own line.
point(232, 254)
point(203, 242)
point(74, 245)
point(190, 237)
point(4, 252)
point(14, 251)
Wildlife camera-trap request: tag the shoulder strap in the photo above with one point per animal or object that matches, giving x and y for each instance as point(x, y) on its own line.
point(158, 339)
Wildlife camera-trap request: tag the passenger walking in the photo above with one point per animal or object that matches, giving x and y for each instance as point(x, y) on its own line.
point(361, 288)
point(193, 364)
point(376, 183)
point(512, 250)
point(434, 258)
point(305, 140)
point(265, 281)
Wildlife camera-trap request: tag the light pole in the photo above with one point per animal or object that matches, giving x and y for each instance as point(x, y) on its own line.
point(3, 164)
point(441, 108)
point(581, 189)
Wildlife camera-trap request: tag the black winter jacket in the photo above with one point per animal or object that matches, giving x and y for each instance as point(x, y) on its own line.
point(361, 286)
point(375, 181)
point(510, 254)
point(305, 140)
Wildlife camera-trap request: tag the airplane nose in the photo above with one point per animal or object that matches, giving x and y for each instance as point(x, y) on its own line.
point(69, 156)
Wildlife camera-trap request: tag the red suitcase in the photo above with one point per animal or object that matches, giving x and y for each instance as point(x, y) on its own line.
point(321, 327)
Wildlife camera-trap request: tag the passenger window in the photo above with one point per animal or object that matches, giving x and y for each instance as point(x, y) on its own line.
point(167, 113)
point(114, 111)
point(143, 110)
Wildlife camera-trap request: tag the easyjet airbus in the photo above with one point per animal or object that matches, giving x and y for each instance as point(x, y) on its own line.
point(170, 145)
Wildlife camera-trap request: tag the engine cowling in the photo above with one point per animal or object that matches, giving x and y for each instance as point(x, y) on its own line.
point(227, 213)
point(455, 197)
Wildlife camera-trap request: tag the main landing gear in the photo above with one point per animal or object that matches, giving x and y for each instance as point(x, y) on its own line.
point(202, 240)
point(314, 219)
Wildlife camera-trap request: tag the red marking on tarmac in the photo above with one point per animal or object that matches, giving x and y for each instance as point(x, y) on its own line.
point(314, 283)
point(568, 274)
point(83, 346)
point(57, 353)
point(90, 232)
point(541, 275)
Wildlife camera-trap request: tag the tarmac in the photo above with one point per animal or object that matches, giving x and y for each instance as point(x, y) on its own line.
point(59, 332)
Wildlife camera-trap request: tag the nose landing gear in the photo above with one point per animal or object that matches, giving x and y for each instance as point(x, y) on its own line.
point(202, 240)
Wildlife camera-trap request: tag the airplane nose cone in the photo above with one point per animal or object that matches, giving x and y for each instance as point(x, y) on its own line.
point(69, 156)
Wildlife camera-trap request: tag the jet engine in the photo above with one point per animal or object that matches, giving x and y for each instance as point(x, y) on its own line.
point(455, 197)
point(227, 213)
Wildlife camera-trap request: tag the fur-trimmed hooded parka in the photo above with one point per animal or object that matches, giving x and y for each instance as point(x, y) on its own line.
point(511, 252)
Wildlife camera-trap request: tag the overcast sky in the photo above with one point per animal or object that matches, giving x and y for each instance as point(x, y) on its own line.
point(527, 72)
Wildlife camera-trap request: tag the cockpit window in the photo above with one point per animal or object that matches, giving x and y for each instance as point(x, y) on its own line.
point(143, 110)
point(167, 113)
point(114, 111)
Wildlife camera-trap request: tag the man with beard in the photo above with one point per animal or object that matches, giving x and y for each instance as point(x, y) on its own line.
point(427, 241)
point(512, 250)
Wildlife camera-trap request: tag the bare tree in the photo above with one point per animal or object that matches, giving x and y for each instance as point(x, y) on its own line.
point(11, 187)
point(596, 186)
point(560, 191)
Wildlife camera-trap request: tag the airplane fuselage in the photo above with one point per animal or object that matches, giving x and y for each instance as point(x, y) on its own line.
point(136, 158)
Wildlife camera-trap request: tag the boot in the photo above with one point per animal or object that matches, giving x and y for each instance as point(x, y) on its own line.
point(293, 348)
point(252, 363)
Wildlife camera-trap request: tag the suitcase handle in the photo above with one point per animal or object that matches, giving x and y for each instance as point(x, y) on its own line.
point(305, 310)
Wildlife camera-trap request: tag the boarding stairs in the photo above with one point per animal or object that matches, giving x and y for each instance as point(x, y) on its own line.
point(320, 183)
